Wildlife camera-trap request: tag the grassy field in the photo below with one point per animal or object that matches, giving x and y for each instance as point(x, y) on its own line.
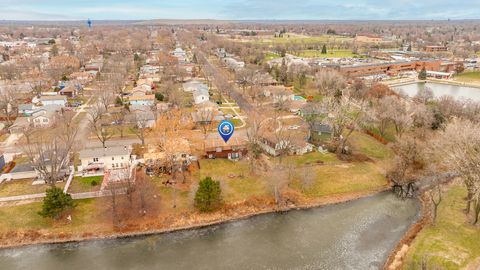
point(293, 38)
point(369, 146)
point(237, 183)
point(468, 77)
point(312, 158)
point(229, 111)
point(270, 56)
point(329, 54)
point(236, 122)
point(23, 187)
point(342, 178)
point(85, 184)
point(84, 217)
point(452, 243)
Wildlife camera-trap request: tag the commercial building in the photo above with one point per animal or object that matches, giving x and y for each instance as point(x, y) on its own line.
point(393, 68)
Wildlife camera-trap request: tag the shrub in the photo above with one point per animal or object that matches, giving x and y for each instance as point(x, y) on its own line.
point(209, 195)
point(55, 203)
point(159, 96)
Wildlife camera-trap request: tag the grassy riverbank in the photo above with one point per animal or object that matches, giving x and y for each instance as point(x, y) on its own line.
point(329, 180)
point(452, 243)
point(469, 77)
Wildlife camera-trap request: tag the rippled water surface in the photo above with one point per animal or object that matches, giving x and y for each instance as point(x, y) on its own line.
point(354, 235)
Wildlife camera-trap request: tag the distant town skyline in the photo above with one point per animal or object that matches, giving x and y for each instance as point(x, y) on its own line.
point(238, 10)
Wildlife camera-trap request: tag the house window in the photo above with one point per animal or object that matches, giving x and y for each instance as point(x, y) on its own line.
point(95, 159)
point(122, 157)
point(113, 158)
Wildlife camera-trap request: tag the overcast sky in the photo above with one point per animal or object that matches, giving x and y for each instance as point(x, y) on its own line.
point(239, 10)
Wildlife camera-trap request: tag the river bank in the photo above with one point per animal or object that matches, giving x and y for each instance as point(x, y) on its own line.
point(227, 214)
point(396, 258)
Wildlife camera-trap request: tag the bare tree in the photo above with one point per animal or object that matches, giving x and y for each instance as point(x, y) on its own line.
point(141, 126)
point(105, 98)
point(50, 156)
point(8, 102)
point(408, 164)
point(119, 119)
point(330, 83)
point(99, 124)
point(460, 148)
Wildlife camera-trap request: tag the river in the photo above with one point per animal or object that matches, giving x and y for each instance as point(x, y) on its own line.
point(440, 89)
point(358, 234)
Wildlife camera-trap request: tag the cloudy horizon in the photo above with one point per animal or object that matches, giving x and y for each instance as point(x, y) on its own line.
point(237, 10)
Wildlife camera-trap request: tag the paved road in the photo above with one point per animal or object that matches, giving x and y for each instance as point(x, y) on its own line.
point(220, 80)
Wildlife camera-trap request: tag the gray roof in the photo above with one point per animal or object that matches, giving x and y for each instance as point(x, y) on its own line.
point(56, 97)
point(24, 107)
point(105, 152)
point(321, 127)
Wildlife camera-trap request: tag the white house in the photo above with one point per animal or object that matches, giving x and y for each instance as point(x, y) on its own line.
point(278, 93)
point(96, 160)
point(181, 55)
point(194, 85)
point(42, 118)
point(54, 100)
point(233, 64)
point(144, 100)
point(201, 96)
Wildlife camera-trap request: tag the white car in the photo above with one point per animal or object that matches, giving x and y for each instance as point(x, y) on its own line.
point(293, 127)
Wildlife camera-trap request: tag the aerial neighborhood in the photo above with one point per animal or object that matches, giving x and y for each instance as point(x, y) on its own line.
point(114, 129)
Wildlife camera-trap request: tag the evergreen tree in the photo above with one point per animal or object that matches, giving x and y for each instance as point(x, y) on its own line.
point(409, 49)
point(118, 101)
point(324, 49)
point(423, 74)
point(55, 202)
point(209, 195)
point(159, 96)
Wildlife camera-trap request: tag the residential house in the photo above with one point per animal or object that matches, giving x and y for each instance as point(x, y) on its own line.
point(278, 93)
point(69, 91)
point(233, 64)
point(149, 69)
point(54, 100)
point(141, 117)
point(19, 126)
point(42, 118)
point(181, 55)
point(291, 141)
point(144, 100)
point(175, 153)
point(37, 117)
point(201, 96)
point(265, 79)
point(81, 77)
point(320, 128)
point(97, 160)
point(26, 109)
point(234, 149)
point(194, 85)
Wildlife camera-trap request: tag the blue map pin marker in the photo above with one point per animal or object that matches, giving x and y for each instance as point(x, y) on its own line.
point(225, 129)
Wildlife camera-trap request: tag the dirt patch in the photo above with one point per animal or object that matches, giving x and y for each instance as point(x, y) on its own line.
point(354, 157)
